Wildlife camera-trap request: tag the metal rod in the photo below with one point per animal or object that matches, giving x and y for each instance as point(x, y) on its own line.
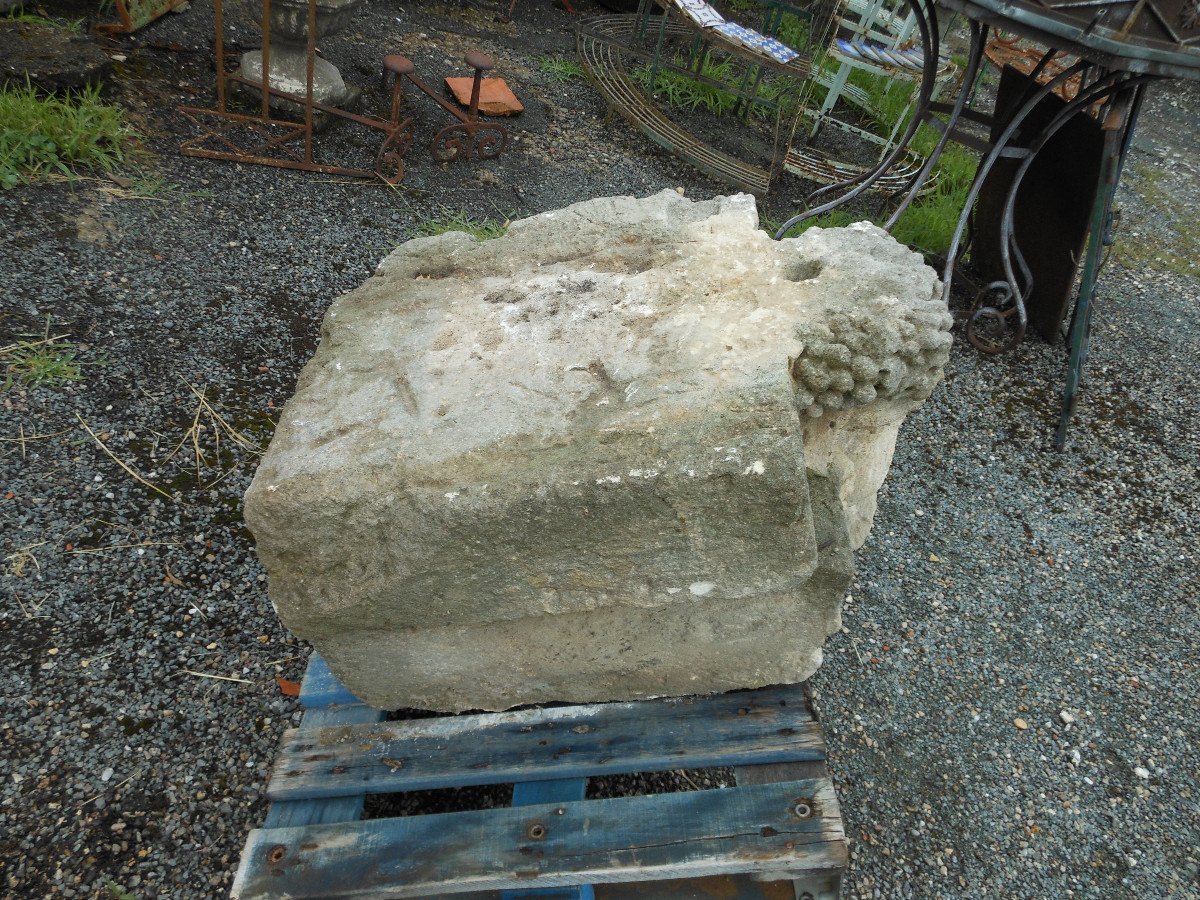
point(310, 60)
point(1081, 327)
point(296, 98)
point(979, 34)
point(985, 168)
point(1081, 333)
point(1008, 219)
point(219, 51)
point(266, 59)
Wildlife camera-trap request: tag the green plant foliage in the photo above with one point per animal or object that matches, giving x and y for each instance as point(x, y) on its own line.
point(482, 229)
point(560, 69)
point(929, 223)
point(41, 135)
point(793, 31)
point(685, 92)
point(838, 218)
point(46, 22)
point(49, 364)
point(688, 93)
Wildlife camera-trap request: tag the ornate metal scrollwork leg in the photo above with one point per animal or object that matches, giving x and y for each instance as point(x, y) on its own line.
point(490, 140)
point(998, 326)
point(452, 142)
point(389, 162)
point(465, 139)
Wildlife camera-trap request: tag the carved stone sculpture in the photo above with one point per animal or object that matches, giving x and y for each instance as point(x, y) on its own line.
point(624, 450)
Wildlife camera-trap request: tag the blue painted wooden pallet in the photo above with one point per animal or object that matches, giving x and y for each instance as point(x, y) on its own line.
point(778, 834)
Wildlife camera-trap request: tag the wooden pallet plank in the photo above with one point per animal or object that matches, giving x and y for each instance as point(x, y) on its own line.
point(751, 829)
point(290, 813)
point(555, 790)
point(327, 705)
point(321, 687)
point(768, 725)
point(713, 887)
point(808, 885)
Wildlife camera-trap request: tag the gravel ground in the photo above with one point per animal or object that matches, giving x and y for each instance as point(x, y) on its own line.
point(1008, 708)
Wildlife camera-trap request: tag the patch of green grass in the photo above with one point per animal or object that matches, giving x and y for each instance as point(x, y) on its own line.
point(929, 223)
point(41, 135)
point(838, 218)
point(561, 69)
point(75, 25)
point(685, 92)
point(45, 362)
point(482, 229)
point(688, 93)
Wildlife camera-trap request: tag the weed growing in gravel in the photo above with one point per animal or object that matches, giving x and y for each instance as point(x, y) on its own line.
point(151, 187)
point(30, 19)
point(482, 229)
point(40, 135)
point(49, 362)
point(559, 68)
point(116, 892)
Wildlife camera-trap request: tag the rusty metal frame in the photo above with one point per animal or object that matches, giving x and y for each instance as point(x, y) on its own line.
point(389, 162)
point(468, 136)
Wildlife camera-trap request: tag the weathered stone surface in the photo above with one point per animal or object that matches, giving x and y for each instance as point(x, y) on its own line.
point(571, 464)
point(289, 73)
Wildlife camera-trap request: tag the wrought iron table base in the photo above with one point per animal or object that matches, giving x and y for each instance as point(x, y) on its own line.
point(998, 317)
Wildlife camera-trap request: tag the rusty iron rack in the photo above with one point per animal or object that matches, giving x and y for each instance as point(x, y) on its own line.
point(278, 134)
point(777, 834)
point(468, 136)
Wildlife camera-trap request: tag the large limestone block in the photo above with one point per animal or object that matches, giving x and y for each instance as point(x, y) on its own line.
point(624, 450)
